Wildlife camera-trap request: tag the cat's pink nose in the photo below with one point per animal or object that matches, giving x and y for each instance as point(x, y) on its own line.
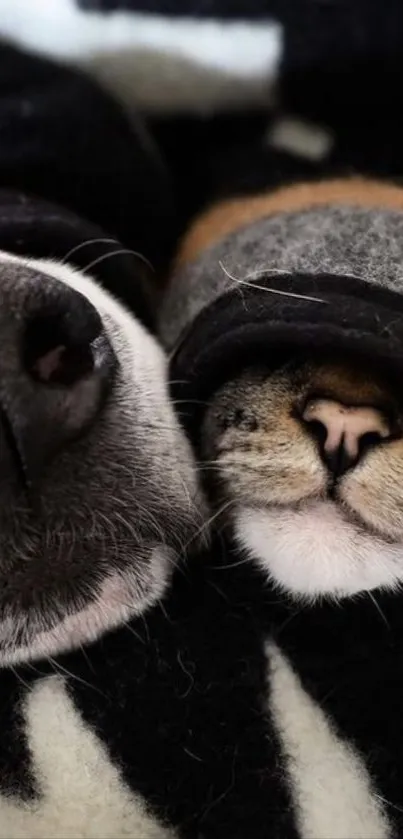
point(344, 432)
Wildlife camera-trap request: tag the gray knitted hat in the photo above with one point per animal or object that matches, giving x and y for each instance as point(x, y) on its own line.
point(339, 270)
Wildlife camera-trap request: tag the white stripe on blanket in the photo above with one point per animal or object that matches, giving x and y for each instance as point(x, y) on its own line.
point(81, 793)
point(329, 783)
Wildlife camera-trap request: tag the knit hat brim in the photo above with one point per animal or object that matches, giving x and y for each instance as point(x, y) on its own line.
point(313, 313)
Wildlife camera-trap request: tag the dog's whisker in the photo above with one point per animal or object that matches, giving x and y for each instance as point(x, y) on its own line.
point(206, 525)
point(86, 244)
point(19, 677)
point(119, 252)
point(378, 608)
point(57, 667)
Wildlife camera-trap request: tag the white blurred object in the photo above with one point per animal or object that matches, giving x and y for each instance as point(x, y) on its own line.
point(300, 138)
point(160, 63)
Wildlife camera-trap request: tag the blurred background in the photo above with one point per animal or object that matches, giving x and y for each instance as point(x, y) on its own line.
point(236, 94)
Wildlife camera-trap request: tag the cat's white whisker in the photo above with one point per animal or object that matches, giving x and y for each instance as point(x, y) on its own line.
point(244, 282)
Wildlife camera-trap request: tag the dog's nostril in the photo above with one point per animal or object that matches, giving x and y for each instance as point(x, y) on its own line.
point(63, 366)
point(49, 358)
point(56, 368)
point(57, 343)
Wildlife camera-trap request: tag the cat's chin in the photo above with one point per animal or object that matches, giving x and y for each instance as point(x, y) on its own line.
point(316, 551)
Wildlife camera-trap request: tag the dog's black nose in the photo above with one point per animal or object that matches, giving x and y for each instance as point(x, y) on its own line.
point(55, 364)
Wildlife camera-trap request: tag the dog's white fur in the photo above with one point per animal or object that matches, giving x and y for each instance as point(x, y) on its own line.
point(330, 786)
point(116, 604)
point(155, 62)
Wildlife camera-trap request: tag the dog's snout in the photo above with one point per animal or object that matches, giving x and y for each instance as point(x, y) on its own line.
point(55, 364)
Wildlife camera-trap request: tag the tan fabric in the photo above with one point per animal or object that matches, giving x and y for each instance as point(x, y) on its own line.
point(228, 216)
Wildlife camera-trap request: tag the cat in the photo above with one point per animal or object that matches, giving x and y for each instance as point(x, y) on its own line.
point(284, 322)
point(294, 297)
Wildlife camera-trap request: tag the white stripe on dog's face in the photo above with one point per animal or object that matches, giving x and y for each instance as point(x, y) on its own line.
point(80, 793)
point(329, 783)
point(95, 542)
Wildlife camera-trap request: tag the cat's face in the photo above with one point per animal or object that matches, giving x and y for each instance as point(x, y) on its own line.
point(309, 460)
point(98, 492)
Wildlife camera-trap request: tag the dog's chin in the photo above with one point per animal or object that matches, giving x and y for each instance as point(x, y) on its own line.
point(317, 550)
point(119, 598)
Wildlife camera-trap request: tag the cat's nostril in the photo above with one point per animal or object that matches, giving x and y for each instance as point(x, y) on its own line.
point(344, 432)
point(367, 441)
point(318, 430)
